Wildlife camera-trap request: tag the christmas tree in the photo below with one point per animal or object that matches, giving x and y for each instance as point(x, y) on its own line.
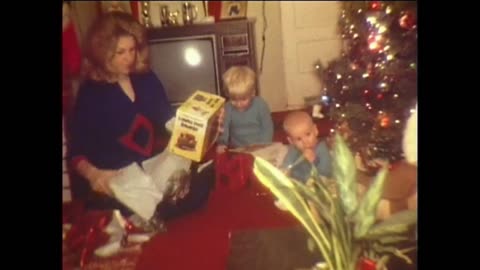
point(371, 89)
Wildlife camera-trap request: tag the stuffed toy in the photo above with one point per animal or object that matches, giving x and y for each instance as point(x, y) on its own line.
point(410, 150)
point(401, 187)
point(400, 190)
point(410, 139)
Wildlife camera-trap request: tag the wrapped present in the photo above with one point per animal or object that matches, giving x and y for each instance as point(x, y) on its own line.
point(84, 235)
point(100, 234)
point(233, 170)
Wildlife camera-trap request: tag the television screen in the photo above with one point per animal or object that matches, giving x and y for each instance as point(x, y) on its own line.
point(185, 65)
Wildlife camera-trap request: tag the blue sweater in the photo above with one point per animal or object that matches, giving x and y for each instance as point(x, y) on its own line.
point(302, 171)
point(253, 126)
point(110, 130)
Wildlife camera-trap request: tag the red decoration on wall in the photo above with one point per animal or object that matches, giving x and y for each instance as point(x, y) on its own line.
point(71, 59)
point(214, 9)
point(134, 5)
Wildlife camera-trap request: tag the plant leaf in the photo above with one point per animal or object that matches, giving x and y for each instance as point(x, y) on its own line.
point(344, 171)
point(400, 253)
point(308, 194)
point(311, 244)
point(396, 224)
point(381, 263)
point(332, 213)
point(283, 188)
point(339, 224)
point(392, 239)
point(367, 210)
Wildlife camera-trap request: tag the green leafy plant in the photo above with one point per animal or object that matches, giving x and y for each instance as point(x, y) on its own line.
point(343, 227)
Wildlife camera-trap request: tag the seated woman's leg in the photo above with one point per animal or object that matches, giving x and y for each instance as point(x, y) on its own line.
point(97, 201)
point(92, 200)
point(200, 187)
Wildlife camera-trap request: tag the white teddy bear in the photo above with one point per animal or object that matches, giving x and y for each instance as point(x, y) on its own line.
point(410, 149)
point(410, 139)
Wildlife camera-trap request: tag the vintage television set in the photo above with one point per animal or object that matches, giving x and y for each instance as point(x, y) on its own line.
point(191, 57)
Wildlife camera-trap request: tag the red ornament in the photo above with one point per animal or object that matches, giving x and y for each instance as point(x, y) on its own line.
point(407, 20)
point(380, 96)
point(375, 5)
point(366, 264)
point(385, 121)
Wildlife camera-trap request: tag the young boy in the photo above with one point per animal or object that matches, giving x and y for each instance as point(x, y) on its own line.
point(247, 117)
point(302, 135)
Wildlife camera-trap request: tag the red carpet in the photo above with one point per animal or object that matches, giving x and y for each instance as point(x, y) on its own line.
point(201, 240)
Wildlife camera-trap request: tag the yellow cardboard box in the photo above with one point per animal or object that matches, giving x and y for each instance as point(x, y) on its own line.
point(195, 128)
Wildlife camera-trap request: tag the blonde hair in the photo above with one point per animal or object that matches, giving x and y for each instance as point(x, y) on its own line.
point(101, 43)
point(239, 81)
point(295, 118)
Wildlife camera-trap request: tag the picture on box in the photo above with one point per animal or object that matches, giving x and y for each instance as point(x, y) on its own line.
point(186, 141)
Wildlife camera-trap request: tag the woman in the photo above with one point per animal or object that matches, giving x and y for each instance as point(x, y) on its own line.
point(120, 109)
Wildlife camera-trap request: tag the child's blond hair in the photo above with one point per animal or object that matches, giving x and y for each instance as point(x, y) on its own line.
point(239, 81)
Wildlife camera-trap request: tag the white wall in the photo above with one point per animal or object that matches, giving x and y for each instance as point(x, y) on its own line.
point(272, 77)
point(310, 27)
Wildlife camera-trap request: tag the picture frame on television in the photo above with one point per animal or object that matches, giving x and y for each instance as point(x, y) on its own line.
point(109, 6)
point(233, 10)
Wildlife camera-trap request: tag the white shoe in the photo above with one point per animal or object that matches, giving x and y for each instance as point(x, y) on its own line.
point(116, 225)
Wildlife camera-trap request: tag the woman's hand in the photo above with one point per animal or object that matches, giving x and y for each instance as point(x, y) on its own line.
point(99, 180)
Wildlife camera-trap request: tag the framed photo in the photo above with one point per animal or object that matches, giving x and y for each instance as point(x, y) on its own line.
point(233, 10)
